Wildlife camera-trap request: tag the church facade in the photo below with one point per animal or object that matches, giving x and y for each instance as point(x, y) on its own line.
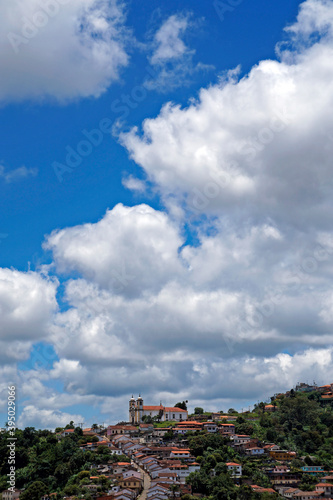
point(137, 410)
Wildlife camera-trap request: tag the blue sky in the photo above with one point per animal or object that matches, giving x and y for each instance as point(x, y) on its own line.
point(36, 134)
point(117, 119)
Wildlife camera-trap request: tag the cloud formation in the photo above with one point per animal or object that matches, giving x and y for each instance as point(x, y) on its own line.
point(130, 249)
point(27, 303)
point(60, 49)
point(17, 173)
point(171, 57)
point(226, 310)
point(259, 147)
point(46, 419)
point(226, 292)
point(168, 42)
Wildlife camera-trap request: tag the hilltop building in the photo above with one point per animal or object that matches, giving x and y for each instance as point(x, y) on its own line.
point(137, 411)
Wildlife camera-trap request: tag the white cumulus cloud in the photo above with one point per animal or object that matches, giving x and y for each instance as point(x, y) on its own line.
point(27, 301)
point(254, 147)
point(46, 419)
point(60, 49)
point(131, 249)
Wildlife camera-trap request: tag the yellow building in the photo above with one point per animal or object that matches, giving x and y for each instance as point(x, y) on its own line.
point(282, 454)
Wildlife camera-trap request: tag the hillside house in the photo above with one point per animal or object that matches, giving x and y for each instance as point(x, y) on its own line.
point(234, 468)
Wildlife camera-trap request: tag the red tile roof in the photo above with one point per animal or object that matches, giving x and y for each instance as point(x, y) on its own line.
point(165, 408)
point(308, 494)
point(189, 422)
point(259, 489)
point(153, 408)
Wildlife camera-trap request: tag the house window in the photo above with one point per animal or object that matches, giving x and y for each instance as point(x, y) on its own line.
point(173, 416)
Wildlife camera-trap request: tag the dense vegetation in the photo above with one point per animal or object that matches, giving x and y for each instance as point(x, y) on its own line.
point(300, 422)
point(46, 464)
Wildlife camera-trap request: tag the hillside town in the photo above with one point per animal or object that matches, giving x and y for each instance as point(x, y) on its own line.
point(162, 453)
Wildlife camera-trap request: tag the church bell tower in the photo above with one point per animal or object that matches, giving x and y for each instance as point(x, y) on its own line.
point(132, 411)
point(139, 405)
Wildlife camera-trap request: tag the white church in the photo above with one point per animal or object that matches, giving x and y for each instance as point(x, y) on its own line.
point(137, 411)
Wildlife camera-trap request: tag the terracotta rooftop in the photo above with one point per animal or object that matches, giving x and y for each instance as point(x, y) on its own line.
point(165, 408)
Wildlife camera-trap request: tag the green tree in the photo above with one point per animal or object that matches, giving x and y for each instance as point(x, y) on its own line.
point(199, 482)
point(83, 474)
point(271, 435)
point(169, 435)
point(70, 425)
point(34, 492)
point(182, 405)
point(160, 415)
point(261, 406)
point(71, 489)
point(245, 492)
point(198, 411)
point(62, 473)
point(174, 488)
